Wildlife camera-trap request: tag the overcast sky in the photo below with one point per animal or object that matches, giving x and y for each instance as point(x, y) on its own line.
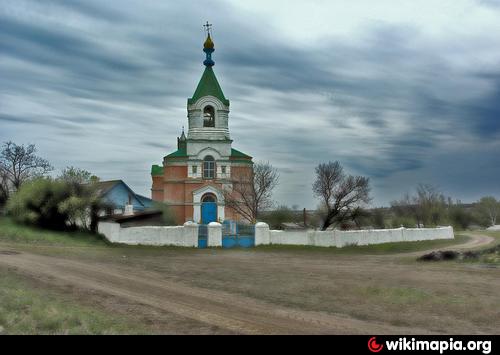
point(404, 92)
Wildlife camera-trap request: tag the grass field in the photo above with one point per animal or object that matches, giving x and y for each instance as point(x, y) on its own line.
point(373, 289)
point(12, 232)
point(27, 308)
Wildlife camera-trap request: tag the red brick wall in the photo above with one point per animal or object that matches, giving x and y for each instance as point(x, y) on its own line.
point(157, 188)
point(176, 189)
point(175, 172)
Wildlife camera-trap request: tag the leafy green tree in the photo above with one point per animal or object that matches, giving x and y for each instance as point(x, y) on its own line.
point(77, 176)
point(488, 208)
point(459, 217)
point(56, 204)
point(37, 203)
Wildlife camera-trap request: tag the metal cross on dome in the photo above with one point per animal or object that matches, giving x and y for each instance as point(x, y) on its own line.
point(208, 27)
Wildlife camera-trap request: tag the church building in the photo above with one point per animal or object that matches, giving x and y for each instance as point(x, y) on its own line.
point(192, 180)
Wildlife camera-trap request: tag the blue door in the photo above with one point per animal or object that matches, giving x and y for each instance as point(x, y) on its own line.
point(208, 212)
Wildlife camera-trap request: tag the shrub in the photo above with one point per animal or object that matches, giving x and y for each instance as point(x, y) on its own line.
point(275, 218)
point(406, 222)
point(55, 204)
point(460, 218)
point(378, 218)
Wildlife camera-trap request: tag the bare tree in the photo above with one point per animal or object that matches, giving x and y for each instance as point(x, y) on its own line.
point(407, 207)
point(427, 206)
point(252, 191)
point(489, 207)
point(341, 195)
point(431, 202)
point(19, 163)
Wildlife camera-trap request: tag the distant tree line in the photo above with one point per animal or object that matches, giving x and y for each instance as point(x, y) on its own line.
point(344, 204)
point(71, 199)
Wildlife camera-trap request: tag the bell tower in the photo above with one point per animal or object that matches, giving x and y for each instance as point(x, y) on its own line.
point(208, 108)
point(194, 179)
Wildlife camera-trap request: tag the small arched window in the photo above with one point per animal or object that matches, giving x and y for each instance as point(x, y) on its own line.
point(208, 116)
point(209, 167)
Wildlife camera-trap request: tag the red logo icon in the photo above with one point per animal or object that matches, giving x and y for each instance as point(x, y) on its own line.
point(373, 346)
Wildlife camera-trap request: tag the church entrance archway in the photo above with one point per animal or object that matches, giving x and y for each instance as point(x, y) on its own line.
point(208, 208)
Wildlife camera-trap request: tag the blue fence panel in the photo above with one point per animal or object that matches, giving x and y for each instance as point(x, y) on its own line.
point(246, 241)
point(237, 235)
point(229, 241)
point(202, 236)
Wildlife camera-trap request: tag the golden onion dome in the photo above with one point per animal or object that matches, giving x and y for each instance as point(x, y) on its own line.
point(209, 44)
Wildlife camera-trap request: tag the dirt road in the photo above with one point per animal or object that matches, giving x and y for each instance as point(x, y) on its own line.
point(230, 312)
point(475, 241)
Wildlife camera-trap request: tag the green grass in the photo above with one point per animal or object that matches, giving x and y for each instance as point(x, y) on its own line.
point(386, 248)
point(12, 232)
point(26, 309)
point(395, 295)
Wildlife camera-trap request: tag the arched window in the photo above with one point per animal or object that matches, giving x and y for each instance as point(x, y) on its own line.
point(208, 116)
point(209, 198)
point(209, 167)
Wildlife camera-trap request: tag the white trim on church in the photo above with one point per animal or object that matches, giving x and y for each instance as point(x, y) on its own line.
point(197, 196)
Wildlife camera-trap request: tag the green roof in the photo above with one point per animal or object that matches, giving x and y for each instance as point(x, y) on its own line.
point(156, 170)
point(208, 86)
point(179, 153)
point(237, 154)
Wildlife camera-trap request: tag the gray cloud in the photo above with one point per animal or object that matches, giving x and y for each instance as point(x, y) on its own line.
point(104, 87)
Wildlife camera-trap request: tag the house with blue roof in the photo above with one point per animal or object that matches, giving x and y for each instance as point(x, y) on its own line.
point(118, 195)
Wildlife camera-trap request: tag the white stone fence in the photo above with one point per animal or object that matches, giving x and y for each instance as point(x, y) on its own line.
point(187, 235)
point(339, 239)
point(184, 236)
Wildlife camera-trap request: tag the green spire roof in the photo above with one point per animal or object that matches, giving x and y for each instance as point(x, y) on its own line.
point(208, 85)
